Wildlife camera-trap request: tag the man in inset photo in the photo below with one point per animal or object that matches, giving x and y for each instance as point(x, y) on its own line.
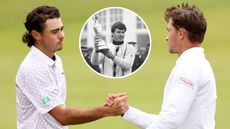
point(114, 35)
point(117, 60)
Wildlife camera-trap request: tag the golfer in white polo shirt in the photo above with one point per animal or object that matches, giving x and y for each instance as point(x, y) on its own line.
point(190, 91)
point(40, 81)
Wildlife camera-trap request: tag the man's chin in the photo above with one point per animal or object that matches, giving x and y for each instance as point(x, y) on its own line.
point(59, 49)
point(119, 40)
point(172, 52)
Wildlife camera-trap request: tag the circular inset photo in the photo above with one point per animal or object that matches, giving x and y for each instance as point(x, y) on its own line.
point(115, 42)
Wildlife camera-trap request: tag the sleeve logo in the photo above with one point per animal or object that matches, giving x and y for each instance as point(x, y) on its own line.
point(185, 82)
point(46, 100)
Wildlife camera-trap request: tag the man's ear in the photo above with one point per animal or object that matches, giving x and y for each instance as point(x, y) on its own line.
point(182, 33)
point(36, 35)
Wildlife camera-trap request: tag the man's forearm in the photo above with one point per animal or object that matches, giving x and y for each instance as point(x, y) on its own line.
point(109, 54)
point(123, 63)
point(80, 116)
point(139, 118)
point(95, 58)
point(70, 116)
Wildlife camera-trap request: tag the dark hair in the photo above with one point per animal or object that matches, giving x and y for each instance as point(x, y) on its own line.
point(190, 18)
point(118, 25)
point(36, 19)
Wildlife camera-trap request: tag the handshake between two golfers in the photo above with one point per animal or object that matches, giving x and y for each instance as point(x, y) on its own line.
point(119, 103)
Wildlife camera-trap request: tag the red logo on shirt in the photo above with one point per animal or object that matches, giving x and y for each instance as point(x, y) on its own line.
point(185, 82)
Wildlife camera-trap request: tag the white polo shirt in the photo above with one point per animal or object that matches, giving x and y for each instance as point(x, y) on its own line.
point(40, 86)
point(189, 97)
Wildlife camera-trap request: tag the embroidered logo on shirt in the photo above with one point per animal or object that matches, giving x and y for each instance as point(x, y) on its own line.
point(185, 82)
point(46, 100)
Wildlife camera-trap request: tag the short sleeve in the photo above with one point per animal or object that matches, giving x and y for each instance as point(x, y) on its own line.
point(40, 88)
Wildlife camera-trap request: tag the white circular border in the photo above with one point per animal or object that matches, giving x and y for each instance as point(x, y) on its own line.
point(150, 42)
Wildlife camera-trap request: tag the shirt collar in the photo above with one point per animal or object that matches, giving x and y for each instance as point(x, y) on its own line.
point(44, 58)
point(190, 52)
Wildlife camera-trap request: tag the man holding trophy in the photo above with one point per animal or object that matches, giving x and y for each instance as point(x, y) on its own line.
point(116, 58)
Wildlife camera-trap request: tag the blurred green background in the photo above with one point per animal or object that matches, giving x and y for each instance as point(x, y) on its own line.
point(87, 89)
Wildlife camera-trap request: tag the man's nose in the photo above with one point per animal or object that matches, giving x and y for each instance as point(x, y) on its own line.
point(166, 38)
point(61, 34)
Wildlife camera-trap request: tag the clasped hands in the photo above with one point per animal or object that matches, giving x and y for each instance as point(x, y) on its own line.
point(117, 104)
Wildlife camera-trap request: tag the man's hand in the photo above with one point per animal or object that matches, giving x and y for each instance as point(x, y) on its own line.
point(117, 104)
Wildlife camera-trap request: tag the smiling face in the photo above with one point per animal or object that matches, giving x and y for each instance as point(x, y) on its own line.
point(173, 38)
point(51, 38)
point(118, 35)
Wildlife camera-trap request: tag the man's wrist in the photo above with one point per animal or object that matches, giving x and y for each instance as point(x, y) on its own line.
point(105, 112)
